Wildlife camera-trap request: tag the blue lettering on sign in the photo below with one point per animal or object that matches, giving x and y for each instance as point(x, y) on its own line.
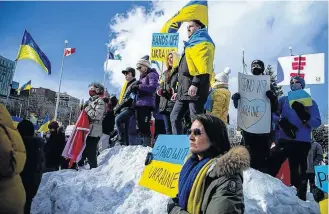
point(164, 40)
point(321, 174)
point(171, 148)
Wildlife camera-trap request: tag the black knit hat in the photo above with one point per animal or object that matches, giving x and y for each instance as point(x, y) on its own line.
point(25, 128)
point(216, 131)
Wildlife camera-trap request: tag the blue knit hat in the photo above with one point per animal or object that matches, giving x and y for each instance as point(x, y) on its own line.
point(301, 80)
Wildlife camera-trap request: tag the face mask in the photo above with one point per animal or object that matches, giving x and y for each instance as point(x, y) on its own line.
point(257, 71)
point(92, 93)
point(295, 86)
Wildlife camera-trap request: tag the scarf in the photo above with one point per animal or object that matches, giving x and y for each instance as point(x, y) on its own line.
point(187, 178)
point(122, 92)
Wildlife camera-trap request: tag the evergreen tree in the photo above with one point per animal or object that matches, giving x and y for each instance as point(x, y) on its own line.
point(277, 89)
point(320, 135)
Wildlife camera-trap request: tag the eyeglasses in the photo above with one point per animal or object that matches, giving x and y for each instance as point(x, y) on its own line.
point(196, 132)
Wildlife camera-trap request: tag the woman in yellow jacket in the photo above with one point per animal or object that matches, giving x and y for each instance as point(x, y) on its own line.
point(12, 160)
point(218, 101)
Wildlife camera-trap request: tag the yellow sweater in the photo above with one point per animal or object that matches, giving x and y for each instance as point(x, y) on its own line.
point(221, 102)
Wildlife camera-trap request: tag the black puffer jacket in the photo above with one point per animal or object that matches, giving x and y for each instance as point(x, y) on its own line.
point(185, 80)
point(32, 172)
point(126, 100)
point(170, 87)
point(53, 150)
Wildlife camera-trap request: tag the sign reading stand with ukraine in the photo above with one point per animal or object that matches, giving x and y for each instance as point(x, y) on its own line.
point(162, 44)
point(162, 170)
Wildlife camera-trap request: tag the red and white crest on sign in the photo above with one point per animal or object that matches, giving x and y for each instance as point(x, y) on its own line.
point(69, 51)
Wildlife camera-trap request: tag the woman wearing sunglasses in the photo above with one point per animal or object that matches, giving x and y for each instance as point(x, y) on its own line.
point(211, 179)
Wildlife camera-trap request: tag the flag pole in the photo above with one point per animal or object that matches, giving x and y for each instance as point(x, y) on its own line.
point(60, 82)
point(107, 59)
point(10, 85)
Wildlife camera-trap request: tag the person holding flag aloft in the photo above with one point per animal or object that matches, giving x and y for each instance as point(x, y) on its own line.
point(194, 75)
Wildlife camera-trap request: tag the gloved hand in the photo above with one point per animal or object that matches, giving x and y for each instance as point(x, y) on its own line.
point(271, 95)
point(301, 111)
point(172, 203)
point(288, 128)
point(162, 92)
point(135, 88)
point(236, 97)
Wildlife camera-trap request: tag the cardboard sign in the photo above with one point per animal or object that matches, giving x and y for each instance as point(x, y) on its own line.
point(162, 44)
point(254, 110)
point(310, 67)
point(300, 96)
point(321, 177)
point(162, 173)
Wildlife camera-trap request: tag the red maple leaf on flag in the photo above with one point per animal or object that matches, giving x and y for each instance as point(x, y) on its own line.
point(69, 51)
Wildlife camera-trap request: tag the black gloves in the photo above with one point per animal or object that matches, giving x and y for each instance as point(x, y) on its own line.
point(271, 95)
point(173, 202)
point(288, 128)
point(301, 111)
point(135, 88)
point(236, 97)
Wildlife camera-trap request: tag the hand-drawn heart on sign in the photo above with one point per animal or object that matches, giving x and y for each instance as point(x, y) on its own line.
point(251, 111)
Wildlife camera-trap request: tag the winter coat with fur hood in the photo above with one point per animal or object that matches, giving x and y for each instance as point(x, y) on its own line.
point(223, 185)
point(12, 161)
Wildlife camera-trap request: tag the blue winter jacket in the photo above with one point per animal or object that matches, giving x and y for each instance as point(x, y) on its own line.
point(304, 130)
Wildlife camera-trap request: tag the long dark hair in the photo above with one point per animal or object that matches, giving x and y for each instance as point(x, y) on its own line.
point(217, 134)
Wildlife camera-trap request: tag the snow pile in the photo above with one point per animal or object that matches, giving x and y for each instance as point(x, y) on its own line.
point(113, 188)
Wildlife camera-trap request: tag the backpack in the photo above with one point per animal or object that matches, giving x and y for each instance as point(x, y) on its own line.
point(209, 103)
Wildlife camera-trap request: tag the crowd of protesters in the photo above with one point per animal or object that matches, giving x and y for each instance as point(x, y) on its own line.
point(187, 98)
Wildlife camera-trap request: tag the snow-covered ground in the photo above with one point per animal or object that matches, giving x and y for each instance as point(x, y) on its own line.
point(113, 188)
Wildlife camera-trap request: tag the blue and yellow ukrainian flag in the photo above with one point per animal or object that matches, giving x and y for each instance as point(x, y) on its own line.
point(44, 126)
point(194, 10)
point(200, 53)
point(25, 87)
point(16, 120)
point(30, 50)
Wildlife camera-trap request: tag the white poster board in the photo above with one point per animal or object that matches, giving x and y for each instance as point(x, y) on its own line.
point(254, 110)
point(311, 68)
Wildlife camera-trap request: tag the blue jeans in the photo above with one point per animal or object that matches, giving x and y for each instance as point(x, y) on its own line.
point(122, 124)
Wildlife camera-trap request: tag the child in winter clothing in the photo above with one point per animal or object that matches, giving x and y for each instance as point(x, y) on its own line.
point(218, 101)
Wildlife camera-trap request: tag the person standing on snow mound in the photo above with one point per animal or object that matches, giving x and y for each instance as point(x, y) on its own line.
point(211, 179)
point(95, 110)
point(195, 72)
point(124, 110)
point(145, 88)
point(296, 124)
point(258, 144)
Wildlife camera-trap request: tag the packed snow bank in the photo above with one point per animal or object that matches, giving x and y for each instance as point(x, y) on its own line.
point(113, 188)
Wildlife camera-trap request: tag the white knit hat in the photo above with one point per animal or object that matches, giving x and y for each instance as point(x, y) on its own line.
point(143, 62)
point(223, 77)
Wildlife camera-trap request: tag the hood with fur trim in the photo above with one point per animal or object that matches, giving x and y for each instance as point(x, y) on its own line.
point(236, 160)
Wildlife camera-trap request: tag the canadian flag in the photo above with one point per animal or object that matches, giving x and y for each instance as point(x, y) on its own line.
point(69, 51)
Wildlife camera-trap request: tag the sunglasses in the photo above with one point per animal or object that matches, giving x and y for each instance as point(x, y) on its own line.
point(295, 82)
point(138, 68)
point(196, 132)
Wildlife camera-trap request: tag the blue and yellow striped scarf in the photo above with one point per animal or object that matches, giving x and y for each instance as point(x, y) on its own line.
point(191, 183)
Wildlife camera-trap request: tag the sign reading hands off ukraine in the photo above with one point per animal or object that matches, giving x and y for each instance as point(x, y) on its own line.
point(162, 44)
point(254, 109)
point(161, 173)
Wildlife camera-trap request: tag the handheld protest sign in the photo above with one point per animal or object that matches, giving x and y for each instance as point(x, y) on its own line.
point(254, 109)
point(300, 96)
point(162, 44)
point(311, 67)
point(165, 163)
point(321, 177)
